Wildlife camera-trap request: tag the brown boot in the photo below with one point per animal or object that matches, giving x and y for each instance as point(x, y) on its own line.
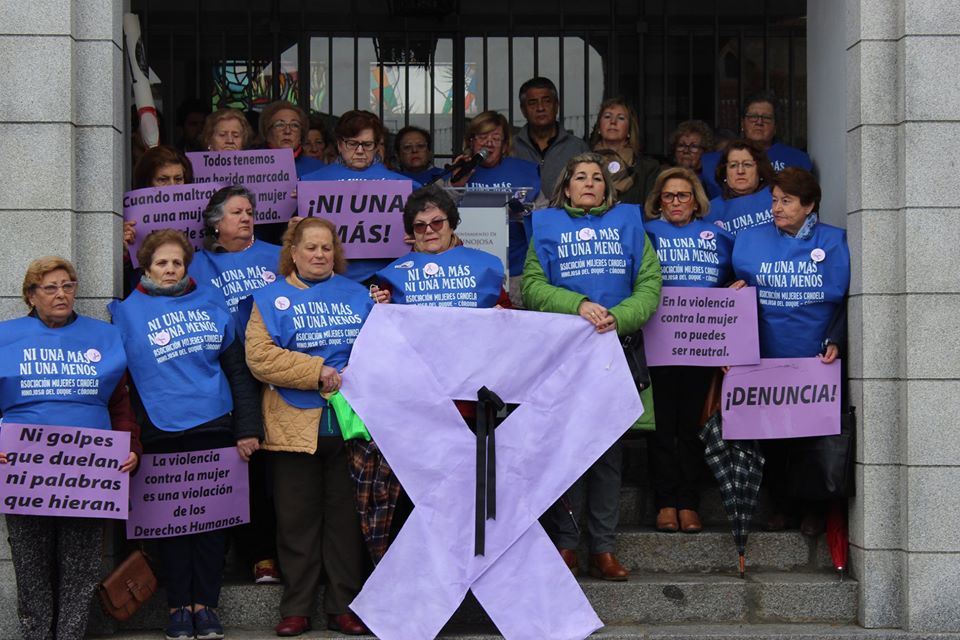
point(570, 558)
point(605, 565)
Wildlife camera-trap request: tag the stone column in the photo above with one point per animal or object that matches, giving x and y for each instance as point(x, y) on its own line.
point(902, 160)
point(61, 162)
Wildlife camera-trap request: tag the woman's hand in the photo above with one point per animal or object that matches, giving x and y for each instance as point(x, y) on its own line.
point(830, 354)
point(607, 324)
point(596, 314)
point(329, 379)
point(739, 284)
point(292, 222)
point(3, 458)
point(380, 296)
point(246, 447)
point(465, 179)
point(128, 465)
point(129, 232)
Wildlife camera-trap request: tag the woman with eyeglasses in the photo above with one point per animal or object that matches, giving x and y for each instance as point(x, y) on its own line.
point(590, 257)
point(490, 133)
point(360, 136)
point(618, 130)
point(692, 253)
point(689, 142)
point(744, 201)
point(759, 125)
point(414, 150)
point(57, 560)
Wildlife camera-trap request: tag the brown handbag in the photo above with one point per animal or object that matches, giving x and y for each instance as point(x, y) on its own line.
point(128, 586)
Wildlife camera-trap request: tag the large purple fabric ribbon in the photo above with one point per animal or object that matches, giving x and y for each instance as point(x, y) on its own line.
point(576, 398)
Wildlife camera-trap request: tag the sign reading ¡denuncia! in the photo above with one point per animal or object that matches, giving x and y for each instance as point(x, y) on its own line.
point(368, 214)
point(703, 327)
point(781, 398)
point(177, 494)
point(63, 471)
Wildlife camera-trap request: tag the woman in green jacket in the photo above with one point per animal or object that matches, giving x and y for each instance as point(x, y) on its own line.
point(590, 257)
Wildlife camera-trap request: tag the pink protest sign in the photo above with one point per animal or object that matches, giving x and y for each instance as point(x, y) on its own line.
point(175, 207)
point(269, 173)
point(368, 213)
point(703, 327)
point(64, 471)
point(176, 494)
point(781, 398)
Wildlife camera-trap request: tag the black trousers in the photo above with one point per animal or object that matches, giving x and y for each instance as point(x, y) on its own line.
point(675, 449)
point(257, 540)
point(192, 565)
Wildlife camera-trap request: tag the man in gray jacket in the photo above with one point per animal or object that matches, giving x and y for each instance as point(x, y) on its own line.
point(542, 140)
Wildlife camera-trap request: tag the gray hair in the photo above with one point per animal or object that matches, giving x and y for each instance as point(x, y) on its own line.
point(213, 213)
point(590, 157)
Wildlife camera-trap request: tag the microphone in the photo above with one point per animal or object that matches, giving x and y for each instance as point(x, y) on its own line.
point(462, 167)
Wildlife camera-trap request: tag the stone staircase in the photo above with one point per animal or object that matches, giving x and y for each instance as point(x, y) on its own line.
point(681, 585)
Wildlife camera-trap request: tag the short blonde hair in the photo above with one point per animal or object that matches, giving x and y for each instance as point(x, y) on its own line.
point(487, 122)
point(39, 268)
point(294, 234)
point(651, 208)
point(266, 118)
point(226, 114)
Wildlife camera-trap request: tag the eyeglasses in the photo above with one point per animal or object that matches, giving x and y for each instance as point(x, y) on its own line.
point(680, 196)
point(51, 289)
point(410, 148)
point(280, 125)
point(491, 136)
point(436, 224)
point(367, 145)
point(746, 165)
point(758, 117)
point(689, 147)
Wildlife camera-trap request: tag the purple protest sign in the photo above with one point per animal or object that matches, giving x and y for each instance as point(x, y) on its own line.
point(781, 398)
point(269, 173)
point(176, 494)
point(64, 471)
point(368, 213)
point(175, 207)
point(703, 327)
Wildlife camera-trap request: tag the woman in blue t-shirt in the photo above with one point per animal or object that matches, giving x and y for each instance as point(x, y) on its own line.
point(744, 175)
point(692, 253)
point(801, 269)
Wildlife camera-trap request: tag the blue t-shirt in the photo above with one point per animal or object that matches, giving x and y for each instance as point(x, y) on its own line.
point(173, 346)
point(694, 255)
point(237, 274)
point(781, 156)
point(800, 284)
point(305, 164)
point(457, 277)
point(522, 179)
point(61, 377)
point(425, 176)
point(321, 320)
point(743, 212)
point(597, 256)
point(360, 269)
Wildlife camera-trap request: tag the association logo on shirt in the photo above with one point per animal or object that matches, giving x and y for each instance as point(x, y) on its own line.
point(406, 264)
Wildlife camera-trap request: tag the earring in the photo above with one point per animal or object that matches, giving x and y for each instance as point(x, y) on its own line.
point(216, 231)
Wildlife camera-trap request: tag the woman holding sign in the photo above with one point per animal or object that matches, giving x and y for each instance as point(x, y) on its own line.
point(692, 253)
point(226, 130)
point(188, 367)
point(299, 338)
point(48, 357)
point(590, 257)
point(236, 263)
point(801, 269)
point(744, 175)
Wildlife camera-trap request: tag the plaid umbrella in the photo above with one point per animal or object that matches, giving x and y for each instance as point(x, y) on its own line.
point(376, 488)
point(738, 467)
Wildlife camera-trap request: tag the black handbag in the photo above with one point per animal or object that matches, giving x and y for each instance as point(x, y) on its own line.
point(636, 358)
point(821, 468)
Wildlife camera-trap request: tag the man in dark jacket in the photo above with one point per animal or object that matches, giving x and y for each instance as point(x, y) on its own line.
point(542, 140)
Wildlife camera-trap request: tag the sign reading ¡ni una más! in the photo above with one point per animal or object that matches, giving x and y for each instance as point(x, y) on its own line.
point(177, 494)
point(178, 207)
point(368, 214)
point(703, 327)
point(781, 398)
point(64, 471)
point(270, 174)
